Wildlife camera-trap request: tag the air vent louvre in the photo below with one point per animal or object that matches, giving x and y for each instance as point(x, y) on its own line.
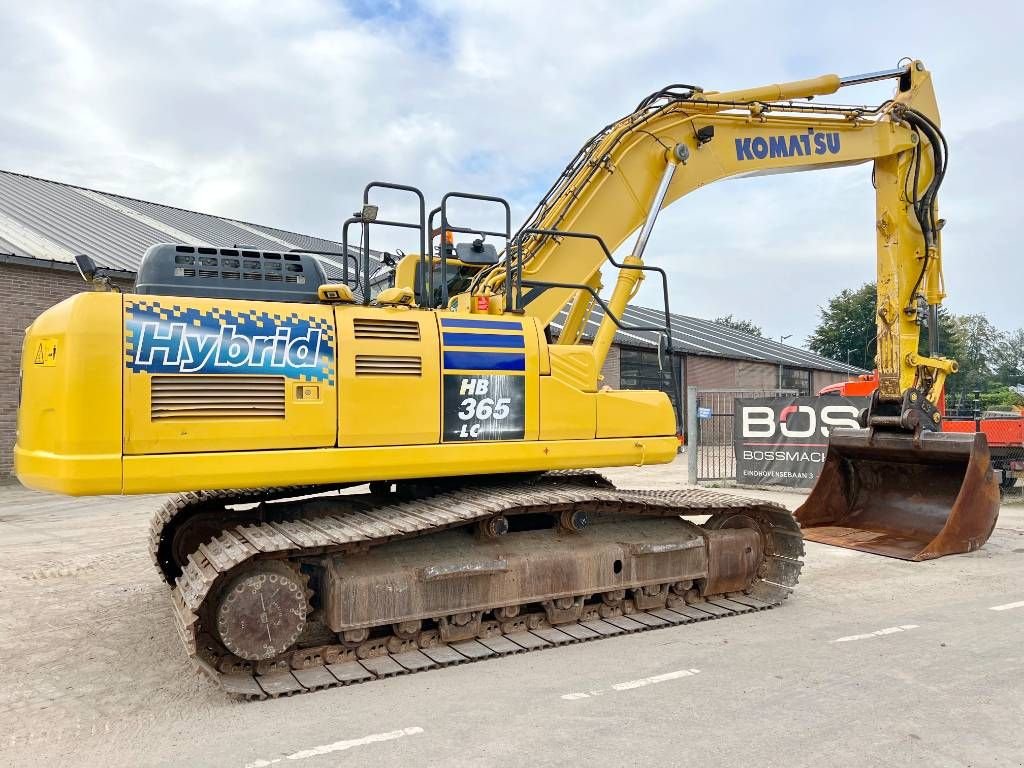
point(388, 365)
point(398, 330)
point(185, 396)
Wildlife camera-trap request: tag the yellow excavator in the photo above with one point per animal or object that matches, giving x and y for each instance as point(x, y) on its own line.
point(368, 483)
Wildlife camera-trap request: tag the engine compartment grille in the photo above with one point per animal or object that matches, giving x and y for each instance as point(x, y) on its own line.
point(399, 330)
point(388, 365)
point(200, 396)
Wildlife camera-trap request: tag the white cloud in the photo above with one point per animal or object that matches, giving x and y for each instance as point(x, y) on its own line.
point(280, 112)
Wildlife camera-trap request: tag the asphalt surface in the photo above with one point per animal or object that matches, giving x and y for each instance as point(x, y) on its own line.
point(871, 662)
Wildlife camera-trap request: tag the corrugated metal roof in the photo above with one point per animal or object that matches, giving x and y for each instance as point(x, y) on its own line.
point(9, 248)
point(73, 222)
point(55, 220)
point(209, 229)
point(703, 337)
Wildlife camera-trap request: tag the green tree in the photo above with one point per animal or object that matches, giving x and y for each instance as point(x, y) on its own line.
point(1008, 358)
point(988, 359)
point(976, 344)
point(846, 328)
point(746, 326)
point(1000, 397)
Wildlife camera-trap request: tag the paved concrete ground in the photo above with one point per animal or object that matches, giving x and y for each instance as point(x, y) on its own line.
point(91, 671)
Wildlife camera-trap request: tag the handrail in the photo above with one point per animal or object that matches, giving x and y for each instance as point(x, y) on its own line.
point(446, 228)
point(514, 270)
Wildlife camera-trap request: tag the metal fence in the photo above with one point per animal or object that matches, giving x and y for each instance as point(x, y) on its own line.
point(711, 455)
point(710, 416)
point(1004, 431)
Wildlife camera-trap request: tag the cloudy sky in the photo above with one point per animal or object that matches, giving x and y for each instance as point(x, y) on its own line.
point(279, 112)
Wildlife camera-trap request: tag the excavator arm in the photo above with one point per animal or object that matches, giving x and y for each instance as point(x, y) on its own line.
point(895, 487)
point(683, 138)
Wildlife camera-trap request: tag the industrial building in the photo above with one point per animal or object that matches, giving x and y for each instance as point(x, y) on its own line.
point(711, 356)
point(44, 224)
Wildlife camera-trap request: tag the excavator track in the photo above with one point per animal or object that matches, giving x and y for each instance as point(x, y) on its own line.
point(281, 546)
point(177, 512)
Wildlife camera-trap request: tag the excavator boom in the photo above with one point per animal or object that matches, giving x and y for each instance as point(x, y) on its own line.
point(682, 138)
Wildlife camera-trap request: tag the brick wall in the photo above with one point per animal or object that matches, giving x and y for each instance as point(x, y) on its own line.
point(722, 373)
point(824, 378)
point(710, 372)
point(24, 293)
point(757, 375)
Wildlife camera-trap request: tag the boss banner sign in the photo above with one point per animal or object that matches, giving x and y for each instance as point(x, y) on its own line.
point(783, 441)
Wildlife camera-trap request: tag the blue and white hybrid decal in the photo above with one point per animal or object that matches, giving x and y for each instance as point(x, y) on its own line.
point(172, 339)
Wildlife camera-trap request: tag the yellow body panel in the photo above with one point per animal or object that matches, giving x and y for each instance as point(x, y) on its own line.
point(151, 394)
point(396, 406)
point(575, 365)
point(467, 341)
point(254, 469)
point(69, 419)
point(637, 414)
point(568, 413)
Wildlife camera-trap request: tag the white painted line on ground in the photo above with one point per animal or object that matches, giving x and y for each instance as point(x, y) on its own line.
point(876, 633)
point(631, 684)
point(1007, 606)
point(338, 746)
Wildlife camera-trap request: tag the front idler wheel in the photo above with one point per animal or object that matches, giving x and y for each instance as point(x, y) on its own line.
point(262, 611)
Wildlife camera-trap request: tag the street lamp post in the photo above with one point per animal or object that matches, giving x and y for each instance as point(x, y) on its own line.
point(781, 340)
point(848, 374)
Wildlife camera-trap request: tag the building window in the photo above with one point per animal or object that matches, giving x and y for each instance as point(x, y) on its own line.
point(798, 379)
point(640, 369)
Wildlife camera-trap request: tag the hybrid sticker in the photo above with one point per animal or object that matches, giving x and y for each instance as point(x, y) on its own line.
point(174, 340)
point(791, 145)
point(484, 407)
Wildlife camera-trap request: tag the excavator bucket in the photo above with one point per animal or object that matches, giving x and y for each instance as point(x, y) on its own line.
point(900, 496)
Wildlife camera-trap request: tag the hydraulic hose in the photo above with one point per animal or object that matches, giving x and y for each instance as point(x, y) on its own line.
point(924, 206)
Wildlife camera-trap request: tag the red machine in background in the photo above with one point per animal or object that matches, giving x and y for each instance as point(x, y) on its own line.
point(862, 386)
point(1005, 433)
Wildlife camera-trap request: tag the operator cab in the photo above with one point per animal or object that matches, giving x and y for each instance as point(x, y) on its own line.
point(458, 271)
point(442, 269)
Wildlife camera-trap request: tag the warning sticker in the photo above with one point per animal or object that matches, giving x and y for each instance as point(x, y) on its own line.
point(45, 352)
point(484, 407)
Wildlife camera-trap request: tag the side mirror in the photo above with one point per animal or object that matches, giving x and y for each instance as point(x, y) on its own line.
point(91, 273)
point(86, 267)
